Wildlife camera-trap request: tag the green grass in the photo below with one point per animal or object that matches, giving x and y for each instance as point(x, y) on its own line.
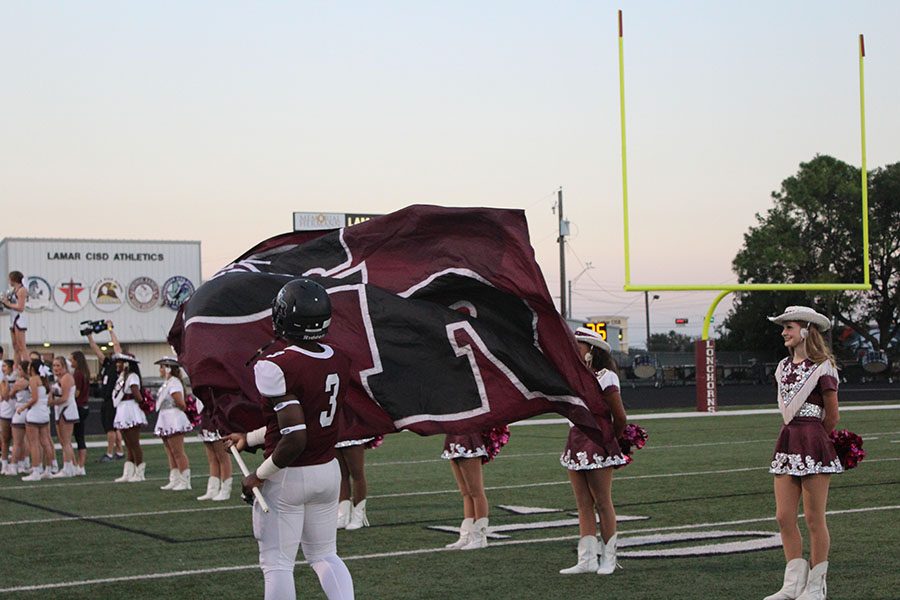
point(864, 555)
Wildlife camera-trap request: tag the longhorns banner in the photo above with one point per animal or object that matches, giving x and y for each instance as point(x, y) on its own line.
point(444, 313)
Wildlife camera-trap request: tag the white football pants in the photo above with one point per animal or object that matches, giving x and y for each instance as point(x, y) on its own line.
point(303, 513)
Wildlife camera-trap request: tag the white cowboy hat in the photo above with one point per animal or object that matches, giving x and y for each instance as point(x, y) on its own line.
point(168, 361)
point(803, 314)
point(592, 338)
point(126, 358)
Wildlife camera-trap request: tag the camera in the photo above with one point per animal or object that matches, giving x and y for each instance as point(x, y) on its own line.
point(89, 327)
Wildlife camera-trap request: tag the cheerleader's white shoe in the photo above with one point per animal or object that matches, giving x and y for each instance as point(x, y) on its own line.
point(587, 557)
point(224, 491)
point(795, 574)
point(139, 474)
point(173, 479)
point(212, 489)
point(127, 472)
point(815, 584)
point(465, 530)
point(36, 474)
point(345, 507)
point(182, 481)
point(478, 536)
point(68, 470)
point(358, 518)
point(608, 562)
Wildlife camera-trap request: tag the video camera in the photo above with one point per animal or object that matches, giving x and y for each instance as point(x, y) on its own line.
point(89, 327)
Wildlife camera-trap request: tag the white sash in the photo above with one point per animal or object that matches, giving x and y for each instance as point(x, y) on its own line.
point(791, 396)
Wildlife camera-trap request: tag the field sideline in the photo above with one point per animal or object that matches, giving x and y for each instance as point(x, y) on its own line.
point(700, 486)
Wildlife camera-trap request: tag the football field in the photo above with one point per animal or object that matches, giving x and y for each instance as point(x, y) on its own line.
point(696, 521)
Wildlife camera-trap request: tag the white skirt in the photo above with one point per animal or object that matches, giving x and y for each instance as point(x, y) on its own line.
point(39, 414)
point(171, 421)
point(68, 411)
point(128, 415)
point(19, 417)
point(349, 443)
point(7, 409)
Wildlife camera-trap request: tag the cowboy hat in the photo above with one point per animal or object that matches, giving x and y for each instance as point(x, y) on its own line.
point(168, 361)
point(126, 357)
point(592, 338)
point(803, 314)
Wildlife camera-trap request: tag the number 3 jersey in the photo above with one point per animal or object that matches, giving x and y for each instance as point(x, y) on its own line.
point(319, 381)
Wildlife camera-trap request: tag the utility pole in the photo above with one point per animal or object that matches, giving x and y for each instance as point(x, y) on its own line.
point(647, 316)
point(563, 232)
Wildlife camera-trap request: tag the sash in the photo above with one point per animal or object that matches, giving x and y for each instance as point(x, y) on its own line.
point(791, 396)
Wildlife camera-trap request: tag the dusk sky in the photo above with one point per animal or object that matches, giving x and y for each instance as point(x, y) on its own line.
point(215, 121)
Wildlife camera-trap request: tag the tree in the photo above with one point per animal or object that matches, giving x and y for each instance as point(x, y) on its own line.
point(670, 342)
point(814, 234)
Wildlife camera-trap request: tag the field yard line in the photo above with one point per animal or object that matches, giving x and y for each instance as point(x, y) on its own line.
point(692, 415)
point(396, 554)
point(123, 515)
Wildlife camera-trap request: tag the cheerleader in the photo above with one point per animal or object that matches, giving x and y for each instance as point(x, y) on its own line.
point(218, 486)
point(172, 423)
point(589, 463)
point(466, 454)
point(7, 410)
point(129, 416)
point(15, 300)
point(804, 457)
point(351, 455)
point(66, 412)
point(21, 395)
point(37, 420)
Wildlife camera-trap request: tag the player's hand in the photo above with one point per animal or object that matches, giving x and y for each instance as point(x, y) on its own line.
point(238, 440)
point(250, 481)
point(619, 427)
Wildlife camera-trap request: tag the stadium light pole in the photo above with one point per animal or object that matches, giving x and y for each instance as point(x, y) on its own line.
point(587, 267)
point(647, 314)
point(563, 232)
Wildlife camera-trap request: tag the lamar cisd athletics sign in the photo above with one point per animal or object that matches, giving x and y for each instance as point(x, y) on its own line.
point(314, 221)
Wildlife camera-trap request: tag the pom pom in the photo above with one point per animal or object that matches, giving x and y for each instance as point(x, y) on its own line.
point(147, 402)
point(849, 449)
point(494, 439)
point(191, 410)
point(633, 438)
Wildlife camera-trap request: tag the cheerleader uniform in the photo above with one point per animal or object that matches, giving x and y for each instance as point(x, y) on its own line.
point(348, 443)
point(208, 431)
point(8, 406)
point(23, 397)
point(17, 319)
point(804, 447)
point(171, 419)
point(582, 453)
point(468, 445)
point(39, 413)
point(69, 410)
point(128, 413)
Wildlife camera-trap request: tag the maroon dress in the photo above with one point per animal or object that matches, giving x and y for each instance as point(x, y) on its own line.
point(469, 445)
point(803, 446)
point(582, 453)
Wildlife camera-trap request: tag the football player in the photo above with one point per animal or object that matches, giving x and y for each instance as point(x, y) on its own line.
point(302, 389)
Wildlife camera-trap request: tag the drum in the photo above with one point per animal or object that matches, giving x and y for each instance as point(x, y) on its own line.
point(644, 366)
point(875, 361)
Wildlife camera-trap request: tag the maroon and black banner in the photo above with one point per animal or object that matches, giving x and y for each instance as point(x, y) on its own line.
point(443, 311)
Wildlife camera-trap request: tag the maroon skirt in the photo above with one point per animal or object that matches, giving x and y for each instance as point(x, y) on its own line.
point(582, 453)
point(469, 445)
point(804, 448)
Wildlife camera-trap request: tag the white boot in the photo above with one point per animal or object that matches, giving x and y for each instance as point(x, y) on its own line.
point(465, 530)
point(344, 509)
point(587, 557)
point(173, 479)
point(815, 584)
point(182, 481)
point(608, 562)
point(795, 574)
point(138, 473)
point(478, 536)
point(37, 474)
point(358, 518)
point(80, 472)
point(127, 472)
point(212, 488)
point(67, 471)
point(224, 491)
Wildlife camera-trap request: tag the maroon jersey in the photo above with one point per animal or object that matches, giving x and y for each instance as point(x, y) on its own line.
point(319, 381)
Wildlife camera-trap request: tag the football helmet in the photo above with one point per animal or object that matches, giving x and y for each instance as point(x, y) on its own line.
point(301, 311)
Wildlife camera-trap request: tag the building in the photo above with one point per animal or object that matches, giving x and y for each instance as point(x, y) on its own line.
point(138, 285)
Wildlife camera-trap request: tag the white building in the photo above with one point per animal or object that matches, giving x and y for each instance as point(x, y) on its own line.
point(138, 285)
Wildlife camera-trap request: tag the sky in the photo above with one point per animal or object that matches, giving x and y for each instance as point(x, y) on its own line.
point(215, 121)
